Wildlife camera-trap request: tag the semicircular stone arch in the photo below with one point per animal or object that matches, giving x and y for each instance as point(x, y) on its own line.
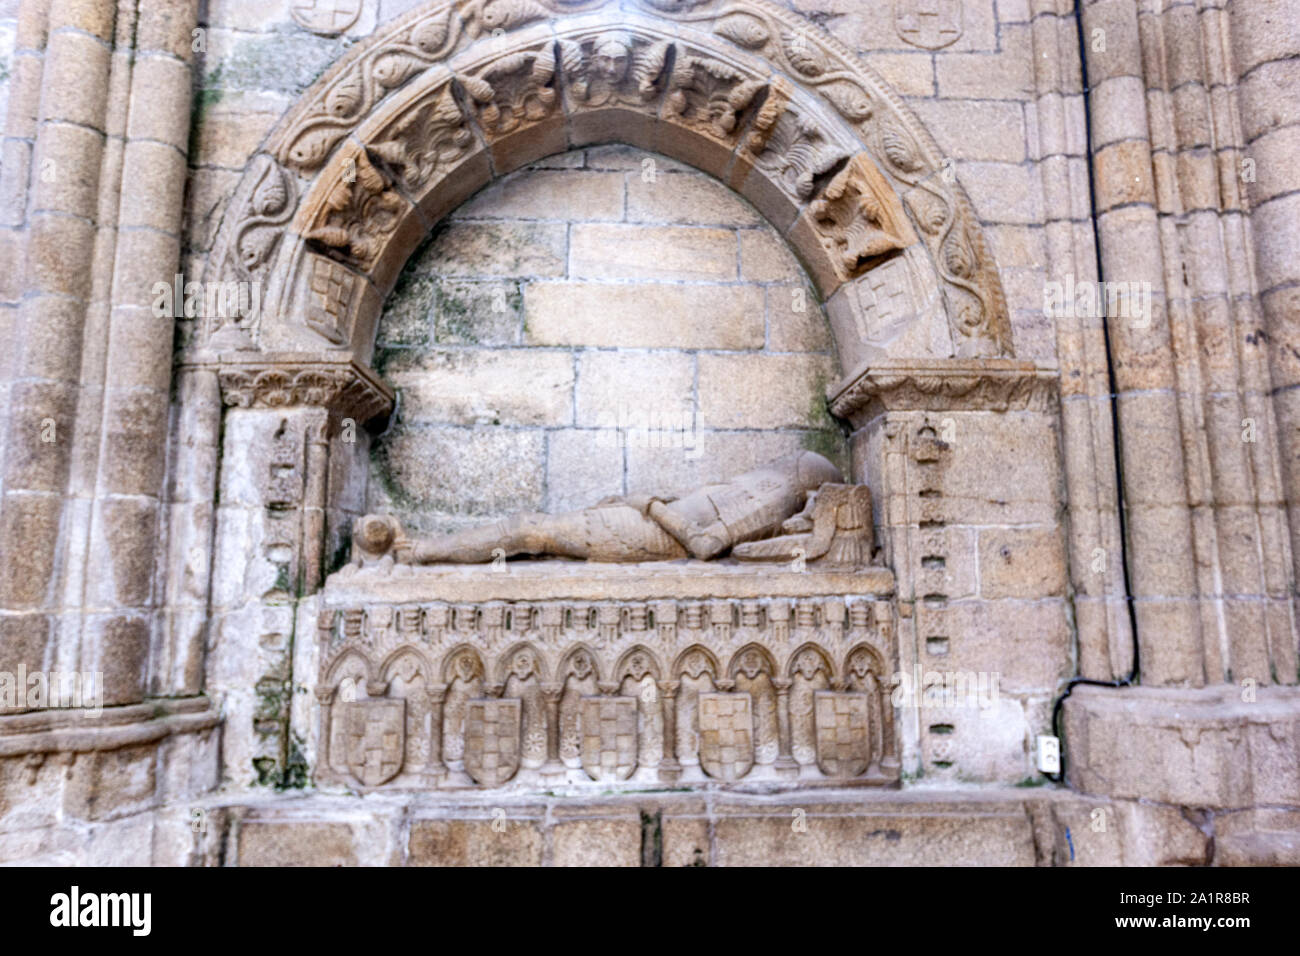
point(601, 322)
point(413, 121)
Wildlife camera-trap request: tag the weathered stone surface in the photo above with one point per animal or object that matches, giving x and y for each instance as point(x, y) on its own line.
point(499, 842)
point(176, 487)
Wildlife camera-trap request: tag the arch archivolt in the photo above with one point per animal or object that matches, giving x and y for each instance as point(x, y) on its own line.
point(420, 116)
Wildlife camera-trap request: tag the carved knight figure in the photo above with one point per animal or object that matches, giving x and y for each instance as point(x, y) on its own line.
point(638, 682)
point(696, 678)
point(465, 684)
point(525, 684)
point(580, 682)
point(703, 524)
point(752, 678)
point(810, 676)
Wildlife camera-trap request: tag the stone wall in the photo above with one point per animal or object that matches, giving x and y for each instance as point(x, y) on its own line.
point(1056, 496)
point(605, 322)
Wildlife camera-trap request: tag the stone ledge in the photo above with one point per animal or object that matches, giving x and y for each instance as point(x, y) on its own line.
point(77, 731)
point(332, 380)
point(1202, 747)
point(842, 828)
point(561, 580)
point(943, 385)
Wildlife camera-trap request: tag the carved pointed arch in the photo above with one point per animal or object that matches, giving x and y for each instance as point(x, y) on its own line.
point(412, 121)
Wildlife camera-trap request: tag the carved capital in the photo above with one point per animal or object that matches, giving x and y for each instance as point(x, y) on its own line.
point(257, 380)
point(943, 385)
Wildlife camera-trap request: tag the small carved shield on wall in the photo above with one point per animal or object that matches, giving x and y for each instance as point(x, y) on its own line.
point(492, 740)
point(929, 24)
point(609, 737)
point(843, 741)
point(376, 738)
point(726, 735)
point(326, 17)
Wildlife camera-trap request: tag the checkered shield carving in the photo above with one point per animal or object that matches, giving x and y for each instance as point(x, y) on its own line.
point(843, 737)
point(726, 735)
point(376, 738)
point(609, 737)
point(492, 731)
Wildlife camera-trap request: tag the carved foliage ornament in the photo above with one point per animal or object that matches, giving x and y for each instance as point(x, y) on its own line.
point(690, 82)
point(343, 389)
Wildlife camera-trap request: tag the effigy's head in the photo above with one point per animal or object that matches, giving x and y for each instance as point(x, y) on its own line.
point(814, 470)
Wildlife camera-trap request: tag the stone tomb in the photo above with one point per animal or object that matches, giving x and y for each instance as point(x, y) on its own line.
point(561, 675)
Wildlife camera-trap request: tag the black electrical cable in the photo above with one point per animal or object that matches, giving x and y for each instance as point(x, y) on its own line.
point(1132, 675)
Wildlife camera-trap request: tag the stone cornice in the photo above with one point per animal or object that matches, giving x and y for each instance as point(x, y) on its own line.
point(294, 379)
point(943, 385)
point(81, 730)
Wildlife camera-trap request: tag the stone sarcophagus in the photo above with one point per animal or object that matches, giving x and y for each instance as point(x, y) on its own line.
point(559, 674)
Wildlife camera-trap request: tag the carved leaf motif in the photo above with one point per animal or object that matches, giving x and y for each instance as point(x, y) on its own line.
point(430, 35)
point(346, 96)
point(334, 236)
point(898, 148)
point(929, 210)
point(310, 149)
point(851, 100)
point(743, 29)
point(254, 246)
point(507, 14)
point(803, 55)
point(394, 69)
point(481, 90)
point(957, 256)
point(649, 65)
point(570, 56)
point(270, 196)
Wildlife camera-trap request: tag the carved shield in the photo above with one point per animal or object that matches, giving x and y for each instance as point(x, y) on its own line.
point(929, 24)
point(609, 737)
point(492, 730)
point(843, 738)
point(375, 737)
point(326, 17)
point(726, 735)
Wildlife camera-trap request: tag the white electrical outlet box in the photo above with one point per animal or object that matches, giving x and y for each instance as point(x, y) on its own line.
point(1049, 754)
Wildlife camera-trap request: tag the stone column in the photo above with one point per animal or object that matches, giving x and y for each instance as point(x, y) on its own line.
point(553, 767)
point(1264, 61)
point(669, 768)
point(786, 765)
point(1087, 437)
point(437, 769)
point(1149, 381)
point(325, 695)
point(67, 129)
